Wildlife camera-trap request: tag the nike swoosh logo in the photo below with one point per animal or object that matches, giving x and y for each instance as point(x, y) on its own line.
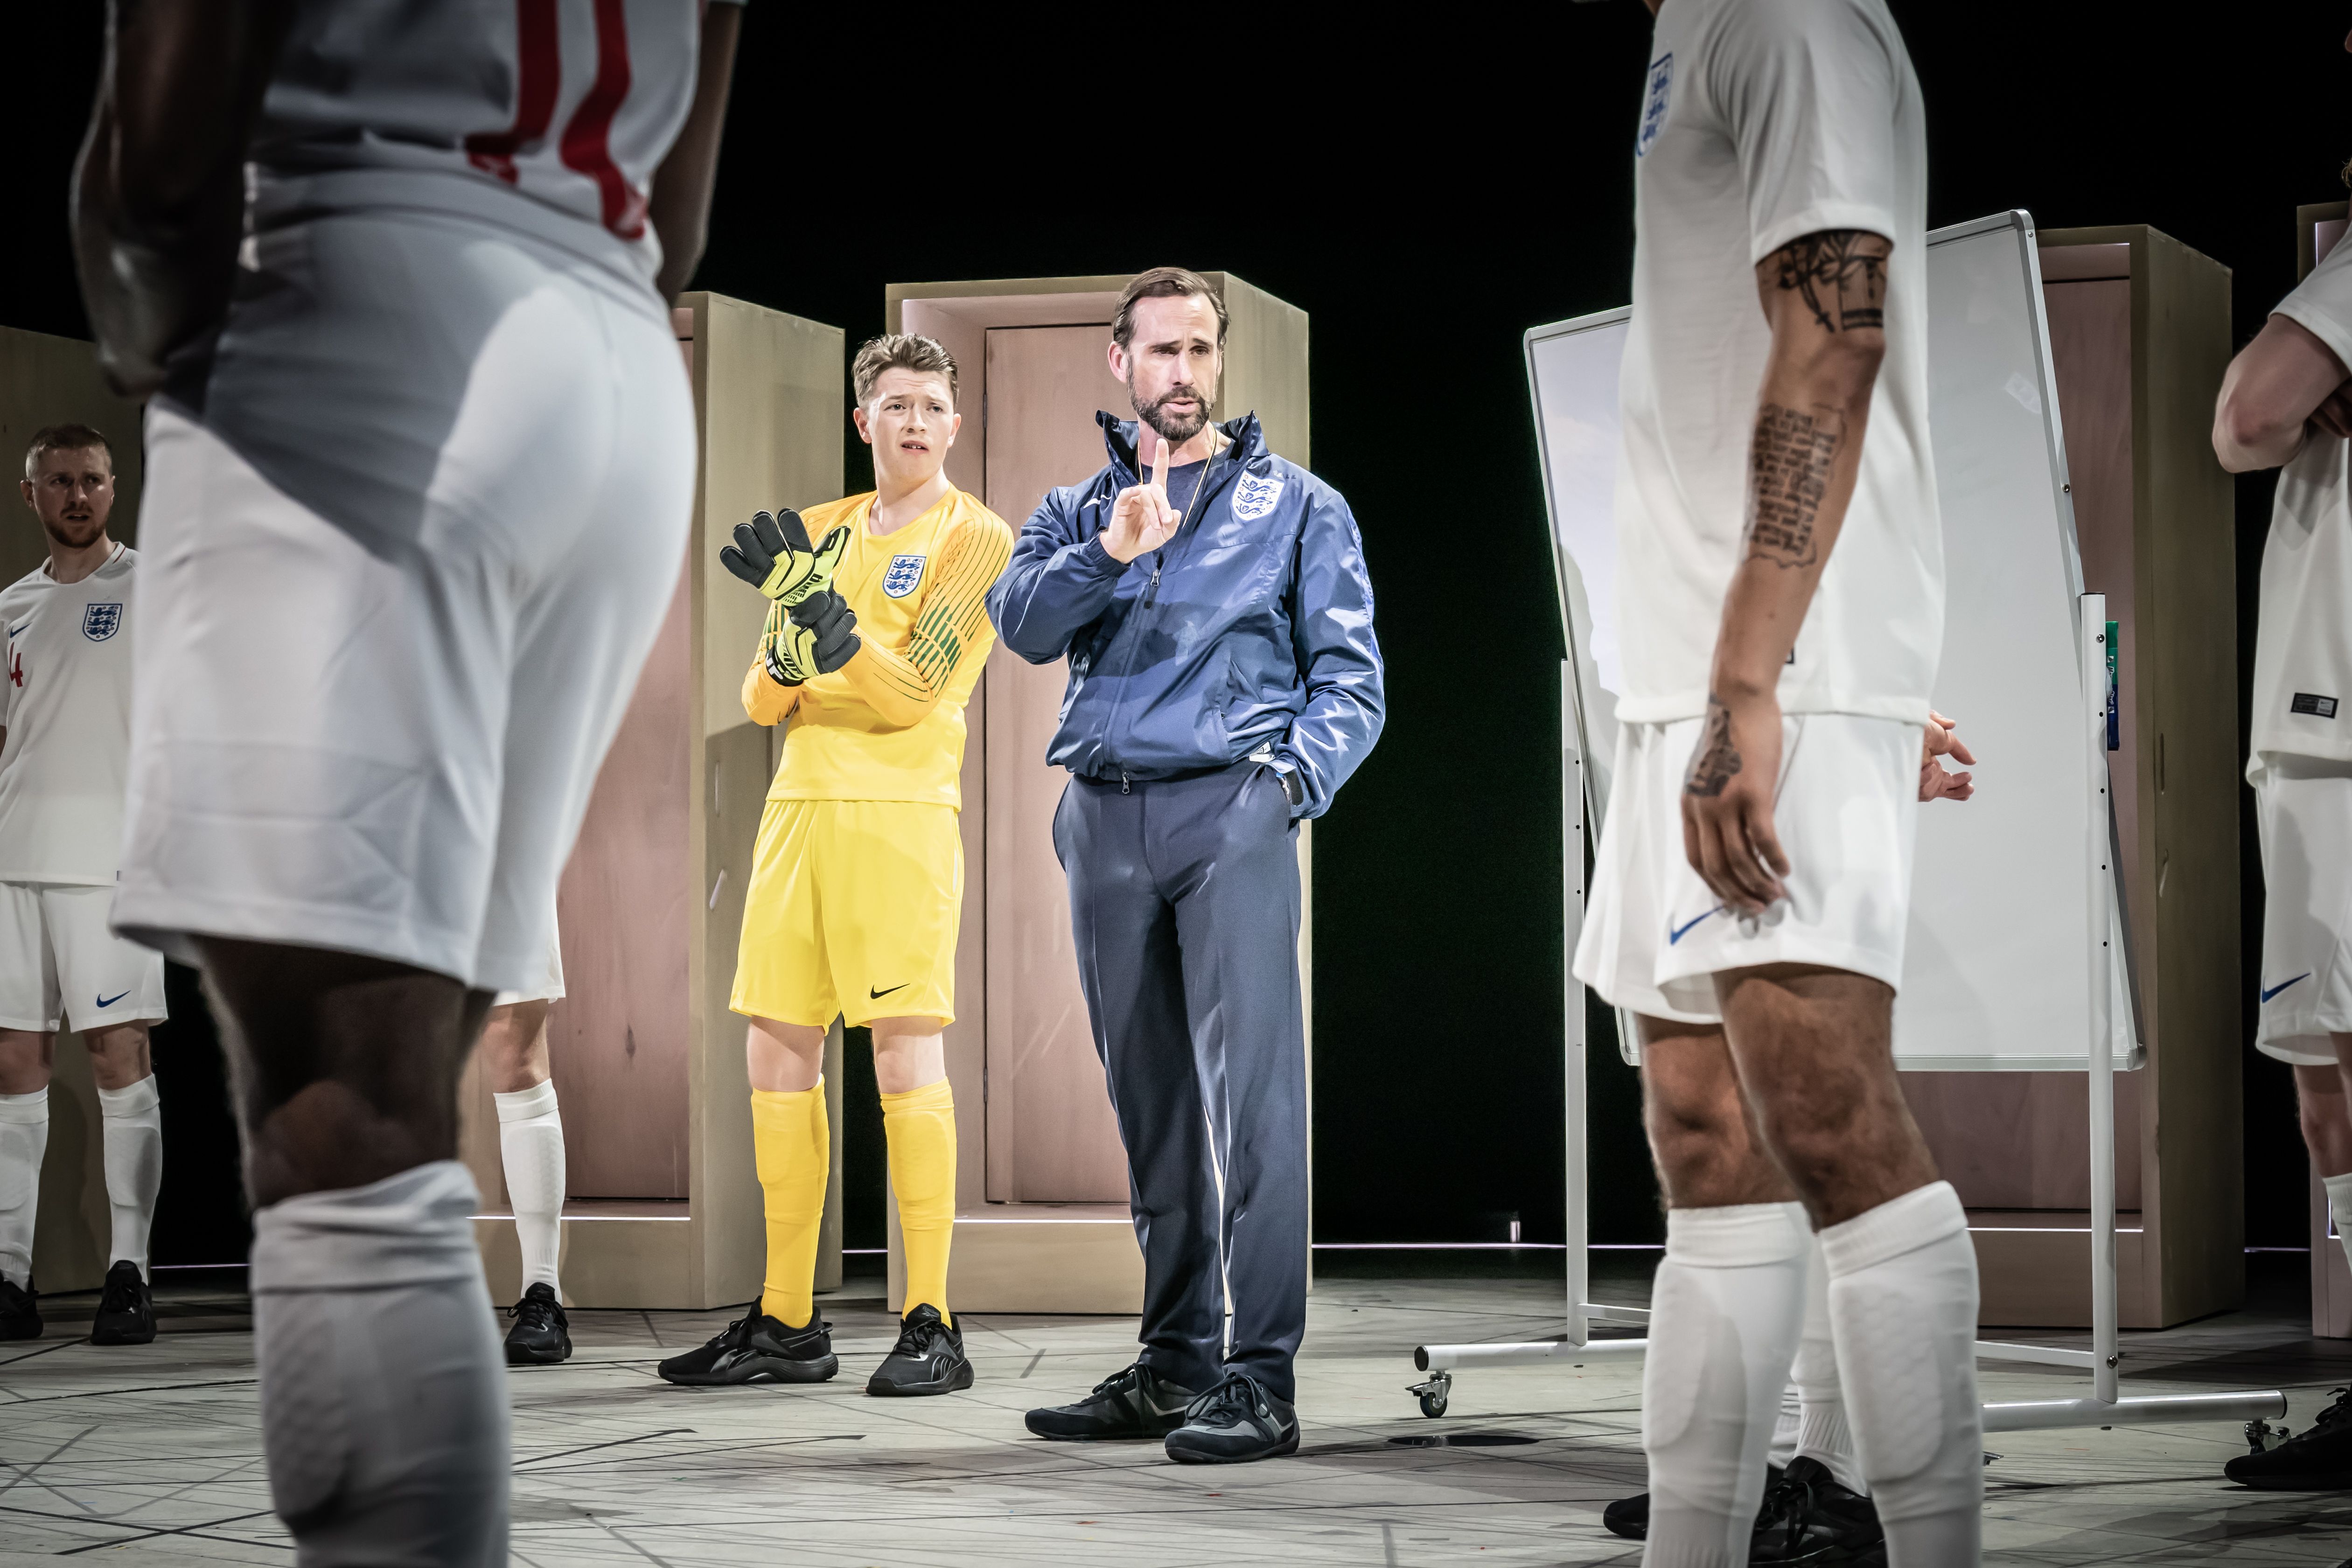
point(1675, 933)
point(110, 1001)
point(873, 994)
point(2282, 985)
point(14, 630)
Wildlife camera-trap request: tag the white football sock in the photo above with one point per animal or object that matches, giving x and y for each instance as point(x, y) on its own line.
point(131, 1128)
point(384, 1389)
point(1822, 1430)
point(530, 1145)
point(1786, 1424)
point(1725, 1313)
point(1903, 1303)
point(24, 1140)
point(2340, 1208)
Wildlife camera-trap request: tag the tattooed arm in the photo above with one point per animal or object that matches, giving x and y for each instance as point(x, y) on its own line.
point(1825, 298)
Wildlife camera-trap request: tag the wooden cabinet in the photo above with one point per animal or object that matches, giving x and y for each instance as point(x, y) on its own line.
point(2139, 335)
point(665, 1206)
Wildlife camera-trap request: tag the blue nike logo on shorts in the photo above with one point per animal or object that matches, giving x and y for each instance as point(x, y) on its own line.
point(110, 1001)
point(1675, 933)
point(2282, 985)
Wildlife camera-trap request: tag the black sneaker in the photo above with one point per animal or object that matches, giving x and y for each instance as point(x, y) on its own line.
point(1134, 1403)
point(755, 1347)
point(1235, 1421)
point(928, 1359)
point(2319, 1460)
point(20, 1318)
point(1629, 1517)
point(1809, 1518)
point(126, 1312)
point(541, 1334)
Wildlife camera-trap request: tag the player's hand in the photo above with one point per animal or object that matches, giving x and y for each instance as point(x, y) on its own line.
point(1935, 783)
point(2334, 414)
point(1727, 803)
point(787, 651)
point(773, 555)
point(830, 627)
point(1140, 518)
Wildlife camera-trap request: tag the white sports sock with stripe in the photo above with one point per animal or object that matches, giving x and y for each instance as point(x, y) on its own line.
point(530, 1146)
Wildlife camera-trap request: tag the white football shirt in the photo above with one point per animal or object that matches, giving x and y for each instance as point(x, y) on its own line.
point(64, 769)
point(1766, 121)
point(548, 116)
point(2302, 640)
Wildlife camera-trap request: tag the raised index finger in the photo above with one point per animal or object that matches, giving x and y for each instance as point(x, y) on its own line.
point(1156, 471)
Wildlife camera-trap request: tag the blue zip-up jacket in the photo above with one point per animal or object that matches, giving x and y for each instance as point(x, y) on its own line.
point(1251, 628)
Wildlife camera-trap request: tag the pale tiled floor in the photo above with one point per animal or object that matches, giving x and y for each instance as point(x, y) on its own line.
point(152, 1454)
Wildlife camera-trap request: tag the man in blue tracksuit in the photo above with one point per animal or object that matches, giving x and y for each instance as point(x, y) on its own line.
point(1212, 601)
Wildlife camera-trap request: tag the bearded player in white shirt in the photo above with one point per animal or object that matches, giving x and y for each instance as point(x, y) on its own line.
point(66, 733)
point(2286, 404)
point(1780, 582)
point(420, 463)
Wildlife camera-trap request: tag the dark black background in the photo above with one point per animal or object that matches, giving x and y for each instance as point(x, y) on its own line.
point(1427, 187)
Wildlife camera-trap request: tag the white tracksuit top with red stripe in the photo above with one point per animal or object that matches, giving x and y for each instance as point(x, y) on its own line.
point(548, 116)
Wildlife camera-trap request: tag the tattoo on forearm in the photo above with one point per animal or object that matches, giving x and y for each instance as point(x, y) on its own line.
point(1716, 759)
point(1841, 273)
point(1789, 465)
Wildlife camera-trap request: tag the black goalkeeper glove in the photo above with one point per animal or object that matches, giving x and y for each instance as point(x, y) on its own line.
point(831, 628)
point(773, 553)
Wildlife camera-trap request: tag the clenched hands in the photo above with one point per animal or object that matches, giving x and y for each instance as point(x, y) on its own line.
point(1141, 519)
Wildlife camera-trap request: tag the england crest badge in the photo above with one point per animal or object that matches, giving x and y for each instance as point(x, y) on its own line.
point(1253, 497)
point(100, 622)
point(905, 573)
point(1654, 106)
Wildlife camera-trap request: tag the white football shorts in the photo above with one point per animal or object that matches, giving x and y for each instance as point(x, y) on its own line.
point(408, 533)
point(1847, 812)
point(62, 965)
point(2303, 813)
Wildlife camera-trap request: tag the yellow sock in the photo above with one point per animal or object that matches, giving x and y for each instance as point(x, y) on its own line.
point(921, 1128)
point(792, 1144)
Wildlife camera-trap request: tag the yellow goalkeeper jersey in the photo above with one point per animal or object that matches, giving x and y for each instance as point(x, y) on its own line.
point(889, 725)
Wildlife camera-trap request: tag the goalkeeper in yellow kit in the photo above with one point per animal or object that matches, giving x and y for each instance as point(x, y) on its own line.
point(874, 642)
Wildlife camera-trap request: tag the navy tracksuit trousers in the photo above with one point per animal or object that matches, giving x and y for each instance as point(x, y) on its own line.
point(1184, 900)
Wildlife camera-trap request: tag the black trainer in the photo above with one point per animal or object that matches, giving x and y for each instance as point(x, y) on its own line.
point(1235, 1421)
point(1134, 1403)
point(1629, 1517)
point(928, 1359)
point(2319, 1460)
point(541, 1334)
point(126, 1311)
point(755, 1348)
point(1809, 1518)
point(20, 1318)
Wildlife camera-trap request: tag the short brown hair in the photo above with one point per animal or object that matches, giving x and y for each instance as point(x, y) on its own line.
point(901, 352)
point(64, 438)
point(1162, 283)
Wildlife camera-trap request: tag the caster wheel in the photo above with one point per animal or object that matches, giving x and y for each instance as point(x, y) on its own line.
point(1432, 1405)
point(1432, 1394)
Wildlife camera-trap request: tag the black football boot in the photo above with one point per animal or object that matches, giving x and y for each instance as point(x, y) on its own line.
point(755, 1348)
point(126, 1311)
point(541, 1334)
point(20, 1318)
point(928, 1359)
point(2319, 1460)
point(1810, 1518)
point(1130, 1404)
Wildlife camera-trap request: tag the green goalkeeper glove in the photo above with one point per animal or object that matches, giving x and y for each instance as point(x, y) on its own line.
point(816, 637)
point(773, 555)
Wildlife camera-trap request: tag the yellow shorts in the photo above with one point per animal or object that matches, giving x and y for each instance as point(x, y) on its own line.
point(853, 910)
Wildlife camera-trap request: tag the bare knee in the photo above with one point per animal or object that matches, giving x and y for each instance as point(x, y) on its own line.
point(25, 1059)
point(2326, 1117)
point(514, 1047)
point(118, 1057)
point(909, 1053)
point(1700, 1132)
point(784, 1058)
